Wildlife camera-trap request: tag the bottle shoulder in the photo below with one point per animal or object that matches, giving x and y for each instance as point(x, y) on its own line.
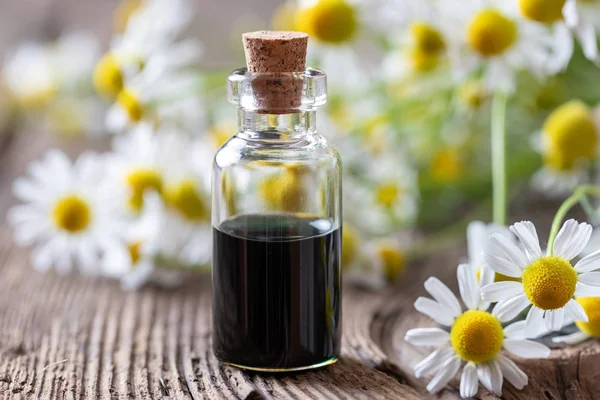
point(305, 149)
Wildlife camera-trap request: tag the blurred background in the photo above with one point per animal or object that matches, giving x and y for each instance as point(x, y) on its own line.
point(419, 92)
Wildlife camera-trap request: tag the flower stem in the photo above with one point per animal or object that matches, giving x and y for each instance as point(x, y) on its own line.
point(565, 207)
point(499, 157)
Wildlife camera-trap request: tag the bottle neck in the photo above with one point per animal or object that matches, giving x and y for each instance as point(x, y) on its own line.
point(276, 126)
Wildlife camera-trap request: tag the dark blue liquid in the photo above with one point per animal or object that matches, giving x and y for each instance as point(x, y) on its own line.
point(276, 291)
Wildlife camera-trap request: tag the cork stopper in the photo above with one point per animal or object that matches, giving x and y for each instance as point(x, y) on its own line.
point(277, 55)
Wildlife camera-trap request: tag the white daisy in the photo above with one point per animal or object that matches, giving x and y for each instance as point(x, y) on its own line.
point(74, 56)
point(138, 163)
point(499, 41)
point(147, 254)
point(380, 191)
point(335, 28)
point(583, 17)
point(548, 282)
point(568, 143)
point(70, 213)
point(473, 342)
point(422, 45)
point(384, 260)
point(158, 98)
point(148, 42)
point(585, 330)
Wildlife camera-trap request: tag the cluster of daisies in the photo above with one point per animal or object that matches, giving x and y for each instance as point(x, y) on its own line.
point(514, 292)
point(141, 211)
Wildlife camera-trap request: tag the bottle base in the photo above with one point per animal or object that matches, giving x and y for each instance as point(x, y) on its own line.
point(292, 369)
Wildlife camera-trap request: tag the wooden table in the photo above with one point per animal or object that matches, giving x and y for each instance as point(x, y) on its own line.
point(80, 337)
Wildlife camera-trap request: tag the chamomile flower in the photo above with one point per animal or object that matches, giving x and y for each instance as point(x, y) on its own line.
point(422, 47)
point(473, 342)
point(70, 212)
point(385, 259)
point(148, 42)
point(582, 16)
point(586, 330)
point(159, 99)
point(335, 27)
point(548, 282)
point(500, 42)
point(384, 192)
point(568, 143)
point(138, 164)
point(147, 254)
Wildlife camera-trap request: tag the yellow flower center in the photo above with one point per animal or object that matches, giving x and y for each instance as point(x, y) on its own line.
point(476, 336)
point(394, 262)
point(72, 214)
point(491, 33)
point(349, 246)
point(123, 13)
point(549, 282)
point(140, 180)
point(387, 194)
point(134, 251)
point(329, 21)
point(571, 134)
point(545, 11)
point(187, 200)
point(108, 79)
point(591, 306)
point(446, 166)
point(130, 102)
point(423, 62)
point(283, 192)
point(427, 39)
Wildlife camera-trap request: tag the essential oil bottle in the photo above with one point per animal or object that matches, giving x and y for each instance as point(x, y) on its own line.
point(276, 216)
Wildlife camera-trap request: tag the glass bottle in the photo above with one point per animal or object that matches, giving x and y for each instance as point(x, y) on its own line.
point(276, 217)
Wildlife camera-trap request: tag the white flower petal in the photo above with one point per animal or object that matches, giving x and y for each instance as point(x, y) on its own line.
point(501, 291)
point(433, 362)
point(507, 310)
point(503, 266)
point(573, 240)
point(580, 240)
point(529, 239)
point(554, 319)
point(496, 377)
point(444, 375)
point(564, 237)
point(468, 381)
point(575, 311)
point(590, 278)
point(588, 263)
point(583, 290)
point(512, 372)
point(511, 250)
point(516, 330)
point(427, 336)
point(526, 348)
point(487, 276)
point(484, 373)
point(476, 237)
point(434, 310)
point(534, 322)
point(443, 295)
point(468, 287)
point(573, 338)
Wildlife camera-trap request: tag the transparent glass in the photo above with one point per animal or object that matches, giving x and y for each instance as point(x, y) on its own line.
point(276, 215)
